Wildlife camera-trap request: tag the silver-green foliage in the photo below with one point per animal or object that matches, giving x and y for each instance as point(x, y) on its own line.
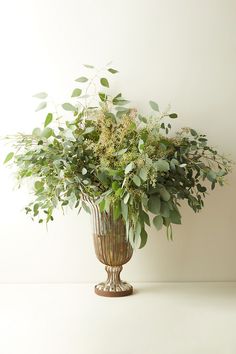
point(117, 157)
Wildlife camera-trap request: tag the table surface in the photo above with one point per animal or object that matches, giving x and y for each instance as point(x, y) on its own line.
point(160, 318)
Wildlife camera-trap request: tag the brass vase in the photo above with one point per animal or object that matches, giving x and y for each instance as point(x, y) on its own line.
point(112, 249)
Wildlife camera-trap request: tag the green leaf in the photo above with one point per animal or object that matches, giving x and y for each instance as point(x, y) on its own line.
point(144, 237)
point(112, 71)
point(141, 145)
point(173, 115)
point(138, 229)
point(175, 217)
point(117, 211)
point(86, 207)
point(9, 157)
point(102, 205)
point(126, 198)
point(84, 171)
point(145, 217)
point(120, 102)
point(104, 82)
point(154, 204)
point(37, 132)
point(201, 188)
point(82, 79)
point(154, 106)
point(193, 132)
point(69, 107)
point(48, 119)
point(102, 96)
point(129, 167)
point(143, 173)
point(76, 93)
point(115, 185)
point(164, 210)
point(165, 195)
point(38, 185)
point(137, 180)
point(88, 130)
point(41, 106)
point(211, 176)
point(41, 95)
point(162, 165)
point(89, 66)
point(124, 210)
point(47, 132)
point(121, 152)
point(119, 192)
point(36, 209)
point(158, 222)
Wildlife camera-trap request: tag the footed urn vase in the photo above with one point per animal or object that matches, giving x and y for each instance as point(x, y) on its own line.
point(112, 249)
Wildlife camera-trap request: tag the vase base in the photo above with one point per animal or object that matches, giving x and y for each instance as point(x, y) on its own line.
point(102, 290)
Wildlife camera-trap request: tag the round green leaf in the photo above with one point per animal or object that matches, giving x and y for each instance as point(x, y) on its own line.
point(143, 173)
point(47, 132)
point(38, 185)
point(175, 217)
point(9, 157)
point(89, 66)
point(165, 195)
point(154, 106)
point(82, 79)
point(69, 107)
point(76, 93)
point(36, 132)
point(41, 95)
point(41, 106)
point(112, 71)
point(104, 82)
point(48, 119)
point(158, 222)
point(136, 180)
point(154, 204)
point(129, 167)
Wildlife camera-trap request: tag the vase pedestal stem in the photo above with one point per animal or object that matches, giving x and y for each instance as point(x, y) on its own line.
point(113, 286)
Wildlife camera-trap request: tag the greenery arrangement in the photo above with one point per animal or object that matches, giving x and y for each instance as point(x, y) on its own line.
point(117, 157)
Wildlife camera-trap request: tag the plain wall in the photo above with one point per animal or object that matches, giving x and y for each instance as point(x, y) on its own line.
point(181, 52)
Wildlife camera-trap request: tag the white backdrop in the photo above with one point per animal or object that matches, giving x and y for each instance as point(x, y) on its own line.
point(181, 52)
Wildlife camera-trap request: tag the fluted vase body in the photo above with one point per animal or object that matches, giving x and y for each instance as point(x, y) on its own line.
point(112, 249)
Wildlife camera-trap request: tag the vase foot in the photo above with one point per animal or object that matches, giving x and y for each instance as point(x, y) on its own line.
point(101, 290)
point(113, 286)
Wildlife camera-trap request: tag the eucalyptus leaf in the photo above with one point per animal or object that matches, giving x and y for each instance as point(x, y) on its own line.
point(82, 79)
point(112, 71)
point(165, 195)
point(41, 95)
point(69, 107)
point(41, 106)
point(48, 119)
point(154, 106)
point(154, 204)
point(104, 82)
point(136, 180)
point(129, 168)
point(158, 222)
point(144, 237)
point(76, 93)
point(8, 157)
point(89, 66)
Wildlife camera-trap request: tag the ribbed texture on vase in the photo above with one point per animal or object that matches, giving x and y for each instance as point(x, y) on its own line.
point(112, 248)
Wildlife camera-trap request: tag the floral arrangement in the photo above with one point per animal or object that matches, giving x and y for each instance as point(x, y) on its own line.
point(119, 158)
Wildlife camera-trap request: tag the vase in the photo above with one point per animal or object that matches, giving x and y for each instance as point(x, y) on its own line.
point(112, 249)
